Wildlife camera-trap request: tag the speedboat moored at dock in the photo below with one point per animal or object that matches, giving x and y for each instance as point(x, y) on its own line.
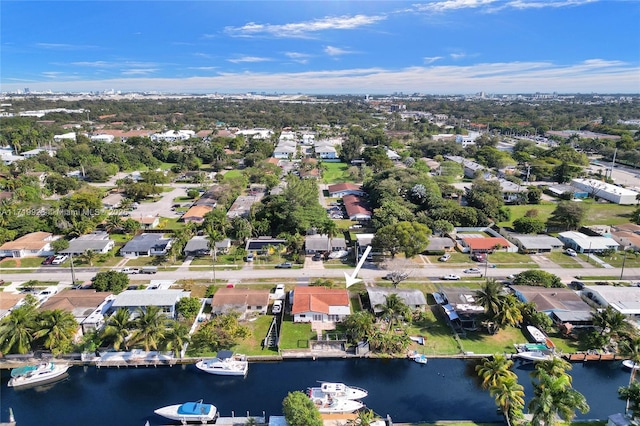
point(34, 374)
point(189, 411)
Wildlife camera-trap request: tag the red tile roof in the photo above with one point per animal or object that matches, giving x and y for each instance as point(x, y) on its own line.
point(355, 205)
point(347, 186)
point(318, 299)
point(484, 243)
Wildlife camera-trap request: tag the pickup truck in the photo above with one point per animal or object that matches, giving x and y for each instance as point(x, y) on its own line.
point(129, 271)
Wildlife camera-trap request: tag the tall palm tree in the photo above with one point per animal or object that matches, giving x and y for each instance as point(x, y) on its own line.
point(17, 330)
point(610, 322)
point(510, 313)
point(490, 297)
point(555, 397)
point(113, 223)
point(150, 328)
point(509, 396)
point(494, 369)
point(118, 328)
point(57, 327)
point(89, 257)
point(631, 350)
point(393, 309)
point(178, 337)
point(555, 367)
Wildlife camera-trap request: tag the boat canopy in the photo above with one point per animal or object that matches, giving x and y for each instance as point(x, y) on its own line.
point(224, 354)
point(21, 371)
point(194, 408)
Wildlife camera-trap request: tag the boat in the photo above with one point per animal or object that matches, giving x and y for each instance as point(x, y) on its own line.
point(225, 364)
point(537, 335)
point(630, 364)
point(528, 347)
point(45, 372)
point(328, 404)
point(189, 411)
point(535, 355)
point(420, 359)
point(337, 390)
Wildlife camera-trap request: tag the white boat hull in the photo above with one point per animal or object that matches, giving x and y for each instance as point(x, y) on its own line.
point(337, 390)
point(172, 412)
point(39, 376)
point(537, 335)
point(337, 406)
point(224, 368)
point(630, 364)
point(535, 356)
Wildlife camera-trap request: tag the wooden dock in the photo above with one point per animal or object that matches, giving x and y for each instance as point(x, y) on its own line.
point(591, 357)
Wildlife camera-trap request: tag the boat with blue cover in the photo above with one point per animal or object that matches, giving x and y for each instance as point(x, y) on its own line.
point(45, 372)
point(189, 412)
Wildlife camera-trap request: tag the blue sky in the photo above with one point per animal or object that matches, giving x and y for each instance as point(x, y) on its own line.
point(438, 46)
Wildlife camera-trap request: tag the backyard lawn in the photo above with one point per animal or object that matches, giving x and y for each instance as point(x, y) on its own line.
point(252, 344)
point(295, 336)
point(335, 172)
point(598, 214)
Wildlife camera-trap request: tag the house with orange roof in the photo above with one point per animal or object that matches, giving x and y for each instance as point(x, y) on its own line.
point(88, 307)
point(29, 245)
point(339, 190)
point(320, 304)
point(196, 214)
point(357, 208)
point(482, 244)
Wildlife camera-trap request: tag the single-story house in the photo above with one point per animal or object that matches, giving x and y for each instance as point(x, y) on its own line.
point(560, 189)
point(8, 301)
point(339, 190)
point(459, 306)
point(326, 152)
point(258, 245)
point(134, 300)
point(320, 243)
point(88, 307)
point(197, 246)
point(392, 155)
point(241, 300)
point(223, 246)
point(477, 243)
point(357, 208)
point(536, 243)
point(242, 205)
point(196, 214)
point(625, 300)
point(320, 304)
point(628, 236)
point(561, 304)
point(113, 201)
point(511, 192)
point(98, 242)
point(32, 244)
point(583, 243)
point(440, 244)
point(471, 169)
point(411, 297)
point(147, 222)
point(362, 242)
point(146, 245)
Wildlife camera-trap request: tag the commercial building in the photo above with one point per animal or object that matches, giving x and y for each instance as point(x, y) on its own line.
point(606, 191)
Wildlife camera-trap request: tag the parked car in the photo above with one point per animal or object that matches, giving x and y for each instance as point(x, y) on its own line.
point(280, 288)
point(48, 260)
point(59, 259)
point(571, 252)
point(317, 256)
point(577, 285)
point(451, 277)
point(285, 265)
point(472, 271)
point(277, 307)
point(479, 257)
point(249, 257)
point(444, 257)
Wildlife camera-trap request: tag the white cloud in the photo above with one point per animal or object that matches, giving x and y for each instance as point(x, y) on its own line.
point(248, 59)
point(297, 55)
point(305, 28)
point(495, 5)
point(527, 4)
point(446, 5)
point(593, 75)
point(456, 56)
point(139, 71)
point(336, 51)
point(431, 59)
point(64, 46)
point(202, 68)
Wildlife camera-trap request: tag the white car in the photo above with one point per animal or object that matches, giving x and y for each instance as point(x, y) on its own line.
point(444, 257)
point(277, 307)
point(571, 252)
point(451, 277)
point(59, 259)
point(472, 271)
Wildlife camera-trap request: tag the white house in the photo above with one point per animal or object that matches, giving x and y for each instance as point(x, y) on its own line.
point(257, 133)
point(98, 242)
point(33, 244)
point(583, 243)
point(173, 135)
point(35, 152)
point(136, 300)
point(102, 138)
point(606, 191)
point(146, 245)
point(60, 138)
point(284, 151)
point(625, 300)
point(320, 304)
point(326, 152)
point(466, 140)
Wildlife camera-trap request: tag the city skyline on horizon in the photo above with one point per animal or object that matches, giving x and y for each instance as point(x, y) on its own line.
point(433, 47)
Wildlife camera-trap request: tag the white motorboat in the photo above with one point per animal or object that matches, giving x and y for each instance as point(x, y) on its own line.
point(630, 364)
point(225, 364)
point(535, 355)
point(537, 335)
point(45, 372)
point(327, 404)
point(337, 390)
point(420, 359)
point(189, 412)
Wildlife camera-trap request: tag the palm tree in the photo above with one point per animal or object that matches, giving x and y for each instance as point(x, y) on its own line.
point(610, 322)
point(360, 325)
point(113, 223)
point(554, 396)
point(118, 328)
point(631, 394)
point(178, 337)
point(150, 328)
point(494, 369)
point(214, 237)
point(631, 350)
point(364, 418)
point(510, 312)
point(509, 396)
point(490, 297)
point(393, 309)
point(57, 327)
point(89, 257)
point(17, 330)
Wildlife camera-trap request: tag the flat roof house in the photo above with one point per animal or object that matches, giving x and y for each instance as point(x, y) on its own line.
point(246, 302)
point(606, 191)
point(357, 208)
point(411, 297)
point(625, 300)
point(339, 190)
point(146, 245)
point(320, 304)
point(583, 243)
point(536, 243)
point(29, 245)
point(98, 242)
point(134, 300)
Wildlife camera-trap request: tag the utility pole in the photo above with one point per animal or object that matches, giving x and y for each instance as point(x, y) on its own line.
point(73, 272)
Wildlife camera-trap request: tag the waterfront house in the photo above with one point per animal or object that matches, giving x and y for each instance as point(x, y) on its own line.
point(320, 304)
point(563, 305)
point(246, 302)
point(134, 300)
point(625, 300)
point(30, 245)
point(146, 245)
point(8, 301)
point(413, 298)
point(88, 307)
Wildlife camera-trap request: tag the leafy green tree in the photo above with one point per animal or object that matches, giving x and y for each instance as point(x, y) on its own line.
point(60, 244)
point(89, 257)
point(409, 237)
point(568, 215)
point(536, 277)
point(57, 329)
point(529, 225)
point(221, 332)
point(300, 410)
point(359, 325)
point(189, 307)
point(112, 281)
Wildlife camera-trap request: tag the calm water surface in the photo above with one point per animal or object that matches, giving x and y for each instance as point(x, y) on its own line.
point(443, 389)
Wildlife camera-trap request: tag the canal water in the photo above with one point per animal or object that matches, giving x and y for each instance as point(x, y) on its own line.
point(443, 389)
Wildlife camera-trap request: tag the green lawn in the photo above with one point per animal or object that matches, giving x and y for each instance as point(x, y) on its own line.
point(632, 261)
point(232, 173)
point(598, 214)
point(512, 259)
point(481, 342)
point(26, 262)
point(561, 259)
point(335, 172)
point(295, 336)
point(439, 337)
point(252, 344)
